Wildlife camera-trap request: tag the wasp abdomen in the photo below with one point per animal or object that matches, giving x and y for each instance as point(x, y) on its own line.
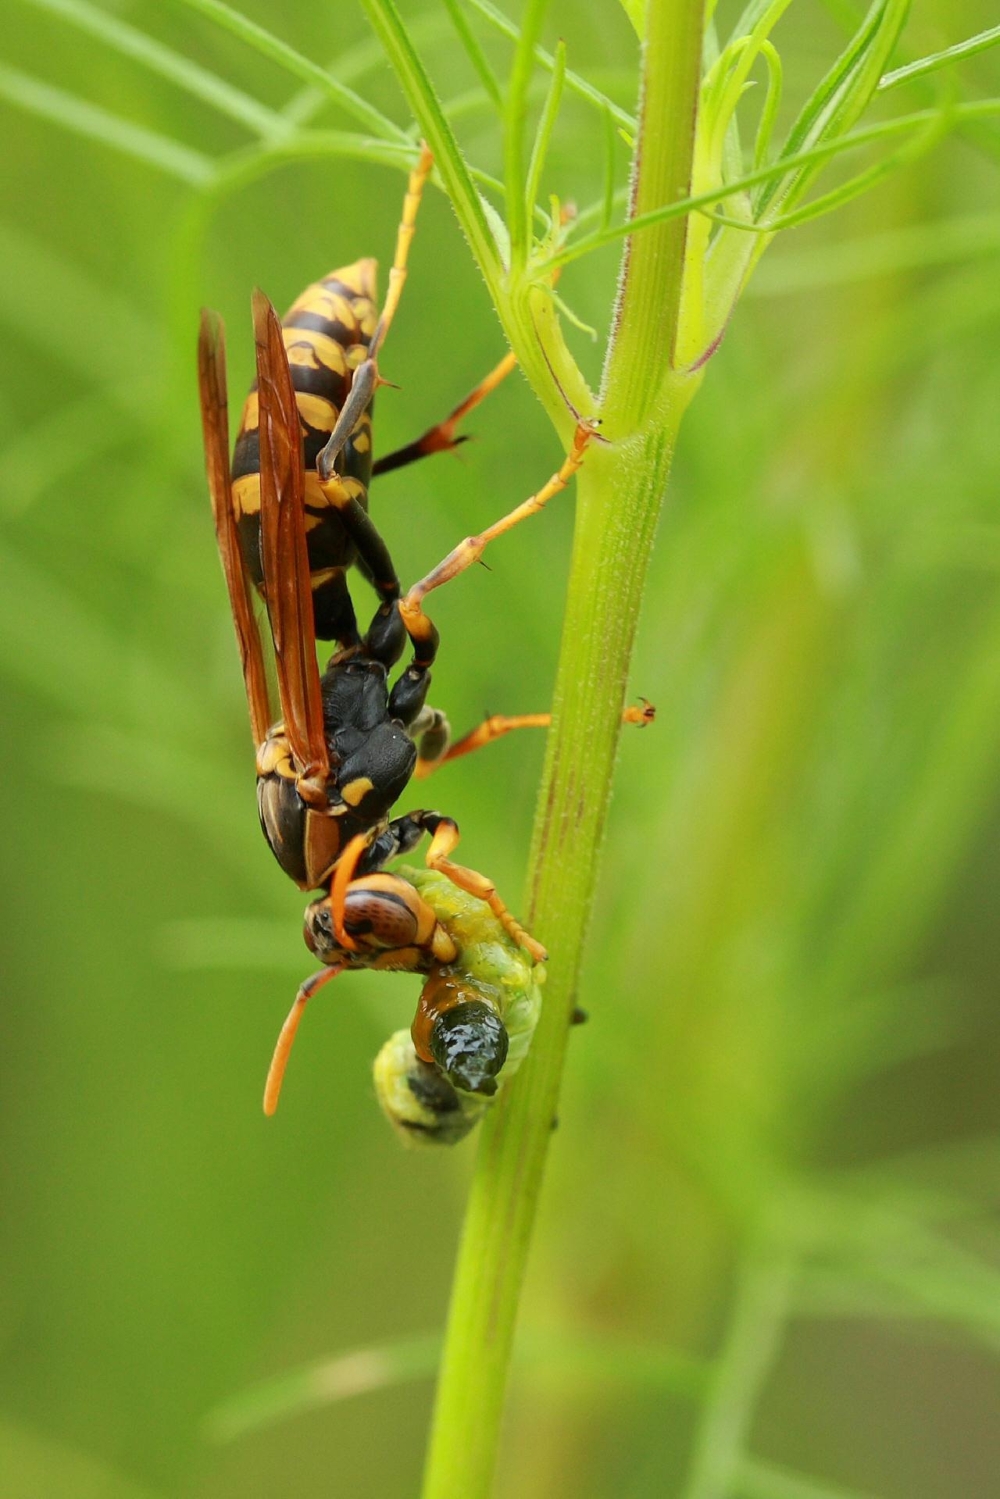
point(326, 333)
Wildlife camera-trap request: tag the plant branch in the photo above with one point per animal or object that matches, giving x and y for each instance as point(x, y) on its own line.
point(621, 488)
point(649, 292)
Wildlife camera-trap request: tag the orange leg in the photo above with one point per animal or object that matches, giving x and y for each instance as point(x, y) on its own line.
point(441, 438)
point(419, 628)
point(499, 724)
point(366, 377)
point(286, 1037)
point(343, 874)
point(404, 238)
point(444, 841)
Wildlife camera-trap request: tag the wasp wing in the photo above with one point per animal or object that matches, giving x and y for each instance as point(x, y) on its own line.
point(215, 425)
point(287, 584)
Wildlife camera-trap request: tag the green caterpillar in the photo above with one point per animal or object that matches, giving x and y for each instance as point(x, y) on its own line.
point(476, 1014)
point(473, 1027)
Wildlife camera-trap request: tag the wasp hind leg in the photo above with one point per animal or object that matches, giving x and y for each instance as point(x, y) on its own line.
point(366, 377)
point(385, 637)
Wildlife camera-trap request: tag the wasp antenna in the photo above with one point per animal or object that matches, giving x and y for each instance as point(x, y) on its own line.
point(286, 1037)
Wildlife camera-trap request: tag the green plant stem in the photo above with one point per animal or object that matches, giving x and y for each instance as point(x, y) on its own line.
point(649, 289)
point(620, 492)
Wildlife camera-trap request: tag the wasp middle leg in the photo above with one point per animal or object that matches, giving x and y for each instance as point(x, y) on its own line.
point(435, 750)
point(441, 438)
point(364, 853)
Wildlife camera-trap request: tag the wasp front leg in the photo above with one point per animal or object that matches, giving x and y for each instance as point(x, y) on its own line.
point(443, 842)
point(365, 853)
point(444, 839)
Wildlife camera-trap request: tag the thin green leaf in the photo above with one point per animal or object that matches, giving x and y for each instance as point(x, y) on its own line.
point(164, 61)
point(355, 62)
point(324, 1383)
point(636, 12)
point(840, 98)
point(862, 182)
point(426, 106)
point(574, 82)
point(330, 1381)
point(846, 191)
point(544, 133)
point(96, 124)
point(515, 119)
point(748, 21)
point(475, 53)
point(755, 1330)
point(243, 167)
point(935, 60)
point(295, 62)
point(727, 80)
point(756, 1479)
point(573, 317)
point(475, 101)
point(772, 102)
point(978, 109)
point(942, 1279)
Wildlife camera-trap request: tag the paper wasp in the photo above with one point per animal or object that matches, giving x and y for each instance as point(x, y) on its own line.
point(476, 1014)
point(290, 517)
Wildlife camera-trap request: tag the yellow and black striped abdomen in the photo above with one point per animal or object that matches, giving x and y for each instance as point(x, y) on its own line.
point(326, 333)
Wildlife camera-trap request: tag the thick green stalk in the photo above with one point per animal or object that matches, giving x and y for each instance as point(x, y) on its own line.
point(620, 491)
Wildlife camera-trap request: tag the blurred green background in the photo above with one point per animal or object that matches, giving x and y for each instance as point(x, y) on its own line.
point(769, 1244)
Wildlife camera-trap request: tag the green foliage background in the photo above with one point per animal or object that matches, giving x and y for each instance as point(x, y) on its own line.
point(769, 1245)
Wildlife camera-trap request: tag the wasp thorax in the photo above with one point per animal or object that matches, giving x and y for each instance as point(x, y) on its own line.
point(354, 693)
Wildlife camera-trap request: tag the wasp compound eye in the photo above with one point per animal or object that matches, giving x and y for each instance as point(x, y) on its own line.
point(469, 1044)
point(318, 930)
